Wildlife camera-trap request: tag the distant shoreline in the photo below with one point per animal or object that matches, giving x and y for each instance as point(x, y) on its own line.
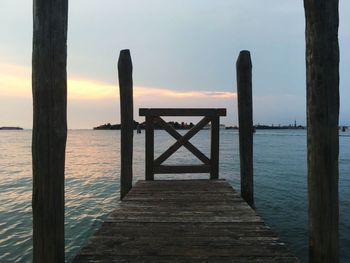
point(141, 126)
point(185, 126)
point(271, 127)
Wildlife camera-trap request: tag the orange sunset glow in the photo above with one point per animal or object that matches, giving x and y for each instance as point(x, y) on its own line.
point(16, 81)
point(86, 96)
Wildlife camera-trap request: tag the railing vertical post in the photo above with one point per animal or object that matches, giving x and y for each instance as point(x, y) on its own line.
point(245, 119)
point(149, 148)
point(214, 147)
point(126, 121)
point(49, 89)
point(322, 66)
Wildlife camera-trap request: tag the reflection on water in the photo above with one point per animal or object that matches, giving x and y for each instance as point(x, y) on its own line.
point(92, 184)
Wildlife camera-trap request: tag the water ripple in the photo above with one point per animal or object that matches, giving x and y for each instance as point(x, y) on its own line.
point(92, 184)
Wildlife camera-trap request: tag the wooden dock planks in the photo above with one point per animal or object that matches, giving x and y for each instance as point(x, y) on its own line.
point(184, 221)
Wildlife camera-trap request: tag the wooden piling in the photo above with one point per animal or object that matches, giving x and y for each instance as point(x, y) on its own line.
point(214, 147)
point(245, 119)
point(126, 121)
point(322, 66)
point(149, 148)
point(49, 89)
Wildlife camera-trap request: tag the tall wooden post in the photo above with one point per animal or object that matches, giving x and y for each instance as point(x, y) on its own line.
point(214, 147)
point(49, 87)
point(126, 120)
point(149, 158)
point(245, 119)
point(322, 66)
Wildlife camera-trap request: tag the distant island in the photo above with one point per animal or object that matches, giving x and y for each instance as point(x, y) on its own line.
point(141, 126)
point(186, 126)
point(10, 128)
point(279, 127)
point(271, 127)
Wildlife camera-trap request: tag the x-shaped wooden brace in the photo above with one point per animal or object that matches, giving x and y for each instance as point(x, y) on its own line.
point(182, 141)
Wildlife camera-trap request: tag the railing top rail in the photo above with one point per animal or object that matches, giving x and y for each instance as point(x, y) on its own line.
point(182, 112)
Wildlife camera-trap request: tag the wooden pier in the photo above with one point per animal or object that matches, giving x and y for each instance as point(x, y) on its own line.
point(184, 221)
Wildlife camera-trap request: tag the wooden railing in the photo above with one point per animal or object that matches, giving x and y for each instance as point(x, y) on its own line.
point(209, 165)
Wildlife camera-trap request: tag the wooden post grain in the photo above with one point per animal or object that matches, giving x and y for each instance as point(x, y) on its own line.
point(126, 121)
point(245, 119)
point(49, 89)
point(322, 66)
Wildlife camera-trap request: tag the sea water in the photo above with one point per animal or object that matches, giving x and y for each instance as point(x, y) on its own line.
point(92, 184)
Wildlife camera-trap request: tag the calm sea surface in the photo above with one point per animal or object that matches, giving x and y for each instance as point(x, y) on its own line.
point(92, 184)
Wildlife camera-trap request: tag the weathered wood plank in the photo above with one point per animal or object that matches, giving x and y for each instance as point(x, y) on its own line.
point(322, 66)
point(182, 112)
point(178, 229)
point(187, 182)
point(126, 121)
point(190, 247)
point(182, 259)
point(209, 224)
point(176, 169)
point(245, 119)
point(49, 89)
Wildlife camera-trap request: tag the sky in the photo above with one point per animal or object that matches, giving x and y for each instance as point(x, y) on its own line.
point(184, 54)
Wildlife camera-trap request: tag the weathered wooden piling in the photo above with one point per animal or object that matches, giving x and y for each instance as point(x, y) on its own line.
point(149, 153)
point(245, 119)
point(126, 120)
point(49, 88)
point(322, 64)
point(214, 147)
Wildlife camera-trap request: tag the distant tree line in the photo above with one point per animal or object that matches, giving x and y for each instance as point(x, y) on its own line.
point(176, 125)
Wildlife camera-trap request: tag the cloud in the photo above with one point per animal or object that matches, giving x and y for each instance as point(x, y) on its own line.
point(92, 102)
point(83, 89)
point(163, 92)
point(15, 81)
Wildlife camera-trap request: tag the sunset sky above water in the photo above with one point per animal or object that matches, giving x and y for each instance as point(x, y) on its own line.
point(184, 55)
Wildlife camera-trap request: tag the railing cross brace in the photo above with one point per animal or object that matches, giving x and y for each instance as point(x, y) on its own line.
point(182, 141)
